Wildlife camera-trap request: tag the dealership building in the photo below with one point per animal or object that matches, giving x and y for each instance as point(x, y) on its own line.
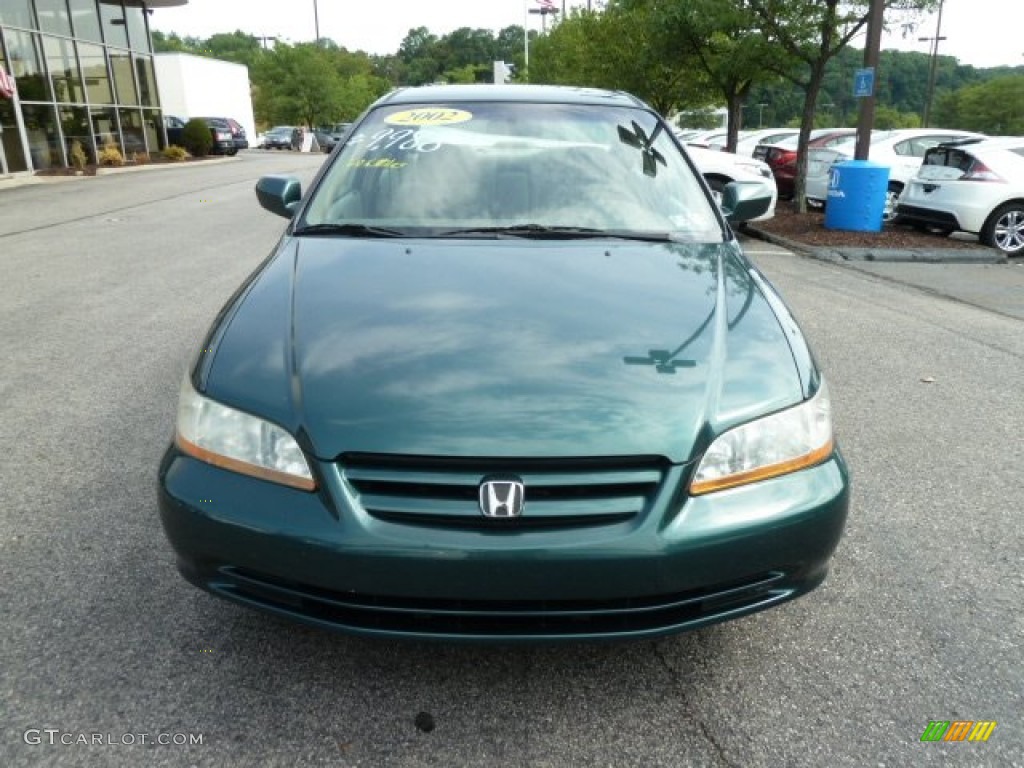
point(76, 72)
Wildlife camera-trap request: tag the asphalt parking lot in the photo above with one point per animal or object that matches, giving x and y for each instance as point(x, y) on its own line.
point(106, 286)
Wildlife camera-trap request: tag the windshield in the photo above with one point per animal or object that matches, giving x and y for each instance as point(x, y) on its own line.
point(433, 169)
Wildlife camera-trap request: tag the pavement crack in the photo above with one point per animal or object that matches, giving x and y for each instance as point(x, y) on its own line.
point(681, 685)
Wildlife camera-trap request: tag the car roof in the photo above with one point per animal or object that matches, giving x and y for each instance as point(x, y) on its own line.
point(550, 94)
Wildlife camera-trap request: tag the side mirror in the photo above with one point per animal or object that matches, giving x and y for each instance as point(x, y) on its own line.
point(745, 200)
point(279, 194)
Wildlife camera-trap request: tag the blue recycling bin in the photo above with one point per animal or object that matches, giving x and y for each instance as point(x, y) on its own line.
point(856, 196)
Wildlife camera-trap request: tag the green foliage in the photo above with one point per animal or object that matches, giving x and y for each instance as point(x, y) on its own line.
point(698, 119)
point(312, 85)
point(901, 83)
point(791, 56)
point(888, 118)
point(196, 137)
point(625, 47)
point(176, 154)
point(78, 157)
point(995, 107)
point(110, 155)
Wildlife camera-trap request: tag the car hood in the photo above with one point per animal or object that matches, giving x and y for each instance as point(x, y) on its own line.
point(503, 348)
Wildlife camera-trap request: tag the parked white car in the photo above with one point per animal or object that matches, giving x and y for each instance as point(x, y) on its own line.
point(901, 150)
point(713, 139)
point(719, 168)
point(749, 140)
point(975, 187)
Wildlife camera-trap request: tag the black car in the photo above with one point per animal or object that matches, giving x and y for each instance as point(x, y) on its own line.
point(174, 126)
point(278, 137)
point(224, 142)
point(326, 140)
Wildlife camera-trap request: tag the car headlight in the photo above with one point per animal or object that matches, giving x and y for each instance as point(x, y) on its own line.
point(758, 169)
point(783, 442)
point(234, 440)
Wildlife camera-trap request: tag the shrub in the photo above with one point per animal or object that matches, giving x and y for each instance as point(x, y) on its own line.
point(196, 137)
point(78, 157)
point(111, 155)
point(140, 158)
point(176, 153)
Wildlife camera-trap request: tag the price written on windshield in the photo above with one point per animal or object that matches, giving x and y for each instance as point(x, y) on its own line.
point(403, 139)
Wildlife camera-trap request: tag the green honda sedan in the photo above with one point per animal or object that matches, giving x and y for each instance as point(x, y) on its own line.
point(507, 376)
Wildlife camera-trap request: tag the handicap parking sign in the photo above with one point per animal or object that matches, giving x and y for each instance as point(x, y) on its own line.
point(864, 82)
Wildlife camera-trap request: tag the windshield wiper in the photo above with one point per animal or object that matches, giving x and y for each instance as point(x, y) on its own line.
point(354, 230)
point(542, 232)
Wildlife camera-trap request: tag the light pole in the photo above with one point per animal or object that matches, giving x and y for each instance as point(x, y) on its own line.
point(932, 65)
point(316, 21)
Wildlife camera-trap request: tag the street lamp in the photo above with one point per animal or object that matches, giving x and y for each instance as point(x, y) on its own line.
point(932, 65)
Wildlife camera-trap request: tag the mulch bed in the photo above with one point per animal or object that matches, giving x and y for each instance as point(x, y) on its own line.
point(90, 170)
point(809, 229)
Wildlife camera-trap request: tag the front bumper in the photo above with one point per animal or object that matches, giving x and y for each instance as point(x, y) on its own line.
point(320, 558)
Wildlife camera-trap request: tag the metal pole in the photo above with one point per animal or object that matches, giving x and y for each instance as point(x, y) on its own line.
point(526, 40)
point(866, 119)
point(932, 66)
point(316, 21)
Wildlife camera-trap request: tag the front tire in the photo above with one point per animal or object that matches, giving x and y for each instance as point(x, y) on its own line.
point(1005, 229)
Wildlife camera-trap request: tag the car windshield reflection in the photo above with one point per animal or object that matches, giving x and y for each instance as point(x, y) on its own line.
point(489, 169)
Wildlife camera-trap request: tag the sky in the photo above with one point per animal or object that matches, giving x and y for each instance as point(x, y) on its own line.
point(984, 33)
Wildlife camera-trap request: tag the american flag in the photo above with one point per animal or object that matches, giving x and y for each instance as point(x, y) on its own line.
point(547, 5)
point(7, 84)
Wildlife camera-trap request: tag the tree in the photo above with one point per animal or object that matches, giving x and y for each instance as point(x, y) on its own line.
point(420, 53)
point(813, 32)
point(621, 48)
point(994, 107)
point(238, 46)
point(718, 38)
point(297, 84)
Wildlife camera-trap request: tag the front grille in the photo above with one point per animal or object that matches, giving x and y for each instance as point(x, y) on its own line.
point(444, 492)
point(506, 618)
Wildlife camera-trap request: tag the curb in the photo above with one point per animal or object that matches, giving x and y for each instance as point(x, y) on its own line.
point(28, 179)
point(979, 255)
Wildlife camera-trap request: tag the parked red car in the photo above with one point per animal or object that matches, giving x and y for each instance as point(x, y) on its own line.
point(781, 156)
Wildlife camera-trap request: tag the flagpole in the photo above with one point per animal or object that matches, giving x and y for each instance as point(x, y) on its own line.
point(526, 39)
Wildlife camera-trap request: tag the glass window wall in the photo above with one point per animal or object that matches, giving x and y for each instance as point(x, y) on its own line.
point(154, 136)
point(115, 29)
point(147, 80)
point(104, 127)
point(85, 20)
point(17, 13)
point(54, 17)
point(44, 144)
point(63, 65)
point(25, 62)
point(10, 135)
point(74, 122)
point(121, 66)
point(94, 69)
point(133, 133)
point(138, 36)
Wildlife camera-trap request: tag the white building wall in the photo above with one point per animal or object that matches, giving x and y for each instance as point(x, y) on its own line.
point(195, 86)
